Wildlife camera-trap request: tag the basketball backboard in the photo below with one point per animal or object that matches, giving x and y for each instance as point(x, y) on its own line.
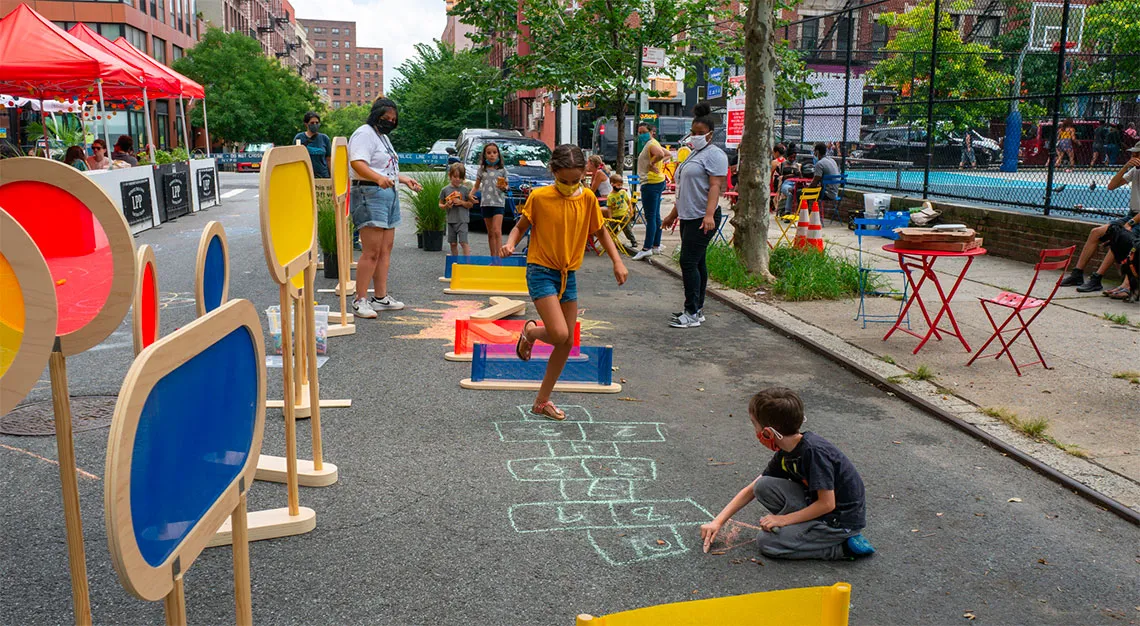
point(1045, 27)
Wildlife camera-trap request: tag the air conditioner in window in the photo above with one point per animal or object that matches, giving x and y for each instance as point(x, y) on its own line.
point(534, 123)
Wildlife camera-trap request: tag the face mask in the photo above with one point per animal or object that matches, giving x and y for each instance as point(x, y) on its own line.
point(643, 137)
point(492, 162)
point(698, 142)
point(566, 189)
point(314, 127)
point(766, 438)
point(386, 126)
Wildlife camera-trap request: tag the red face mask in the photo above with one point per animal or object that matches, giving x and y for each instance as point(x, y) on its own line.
point(766, 438)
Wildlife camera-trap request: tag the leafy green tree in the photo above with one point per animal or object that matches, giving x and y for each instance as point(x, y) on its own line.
point(250, 98)
point(1112, 28)
point(963, 71)
point(440, 92)
point(344, 121)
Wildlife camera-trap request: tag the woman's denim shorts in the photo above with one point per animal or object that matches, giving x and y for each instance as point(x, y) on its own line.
point(374, 207)
point(543, 282)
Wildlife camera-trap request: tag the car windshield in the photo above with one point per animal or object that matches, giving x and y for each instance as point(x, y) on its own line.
point(514, 153)
point(442, 145)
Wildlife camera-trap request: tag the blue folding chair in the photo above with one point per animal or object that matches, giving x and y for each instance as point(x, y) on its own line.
point(841, 181)
point(879, 227)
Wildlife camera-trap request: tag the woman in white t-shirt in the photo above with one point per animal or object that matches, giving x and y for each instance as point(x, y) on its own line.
point(375, 205)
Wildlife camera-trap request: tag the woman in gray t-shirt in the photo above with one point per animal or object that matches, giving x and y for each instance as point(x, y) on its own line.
point(700, 181)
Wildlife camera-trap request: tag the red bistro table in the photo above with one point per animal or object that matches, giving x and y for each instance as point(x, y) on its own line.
point(923, 260)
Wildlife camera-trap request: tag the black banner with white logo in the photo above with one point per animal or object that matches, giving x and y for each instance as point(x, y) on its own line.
point(207, 188)
point(137, 203)
point(176, 193)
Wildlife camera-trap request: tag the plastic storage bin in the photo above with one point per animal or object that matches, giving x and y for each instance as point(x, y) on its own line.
point(273, 314)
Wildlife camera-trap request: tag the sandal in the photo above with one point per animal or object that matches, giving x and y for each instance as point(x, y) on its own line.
point(1118, 292)
point(547, 409)
point(523, 346)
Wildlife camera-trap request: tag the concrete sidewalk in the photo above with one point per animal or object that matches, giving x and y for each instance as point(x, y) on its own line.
point(1089, 412)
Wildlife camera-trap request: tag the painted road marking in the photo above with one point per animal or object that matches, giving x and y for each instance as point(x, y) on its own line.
point(231, 193)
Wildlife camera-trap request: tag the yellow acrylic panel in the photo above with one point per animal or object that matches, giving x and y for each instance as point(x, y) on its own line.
point(11, 315)
point(291, 211)
point(809, 606)
point(490, 278)
point(340, 169)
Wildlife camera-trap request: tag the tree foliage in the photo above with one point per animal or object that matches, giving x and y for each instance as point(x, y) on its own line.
point(1112, 28)
point(250, 98)
point(440, 92)
point(963, 70)
point(344, 121)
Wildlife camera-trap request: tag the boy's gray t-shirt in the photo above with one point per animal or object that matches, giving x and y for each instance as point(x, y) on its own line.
point(490, 194)
point(457, 214)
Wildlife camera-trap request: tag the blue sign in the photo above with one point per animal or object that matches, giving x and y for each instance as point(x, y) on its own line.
point(715, 74)
point(234, 157)
point(414, 158)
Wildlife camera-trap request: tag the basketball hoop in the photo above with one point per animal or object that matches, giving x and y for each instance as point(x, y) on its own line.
point(1069, 45)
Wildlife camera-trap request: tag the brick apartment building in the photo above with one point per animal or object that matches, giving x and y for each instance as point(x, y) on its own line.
point(369, 75)
point(456, 33)
point(334, 50)
point(163, 29)
point(273, 23)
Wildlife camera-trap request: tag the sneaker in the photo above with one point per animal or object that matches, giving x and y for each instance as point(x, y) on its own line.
point(387, 303)
point(1075, 278)
point(685, 321)
point(659, 250)
point(700, 315)
point(1092, 284)
point(642, 254)
point(857, 547)
point(360, 308)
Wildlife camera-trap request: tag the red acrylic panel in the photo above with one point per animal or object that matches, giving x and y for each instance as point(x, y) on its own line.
point(470, 332)
point(149, 306)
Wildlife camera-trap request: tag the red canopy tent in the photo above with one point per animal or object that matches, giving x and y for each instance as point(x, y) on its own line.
point(188, 87)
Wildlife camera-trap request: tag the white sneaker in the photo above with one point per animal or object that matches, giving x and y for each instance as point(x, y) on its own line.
point(700, 315)
point(659, 250)
point(361, 309)
point(642, 254)
point(685, 321)
point(387, 303)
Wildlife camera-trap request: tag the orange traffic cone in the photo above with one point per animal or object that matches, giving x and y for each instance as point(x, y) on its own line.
point(815, 228)
point(802, 228)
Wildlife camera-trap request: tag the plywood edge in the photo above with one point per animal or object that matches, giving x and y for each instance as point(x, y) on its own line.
point(272, 469)
point(269, 524)
point(484, 292)
point(340, 330)
point(444, 279)
point(518, 385)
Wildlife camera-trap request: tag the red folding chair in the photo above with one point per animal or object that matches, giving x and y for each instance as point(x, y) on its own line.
point(1054, 260)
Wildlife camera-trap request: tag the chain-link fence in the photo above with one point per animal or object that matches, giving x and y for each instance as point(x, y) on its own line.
point(968, 111)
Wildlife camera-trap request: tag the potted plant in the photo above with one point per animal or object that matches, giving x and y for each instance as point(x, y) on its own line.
point(430, 219)
point(326, 236)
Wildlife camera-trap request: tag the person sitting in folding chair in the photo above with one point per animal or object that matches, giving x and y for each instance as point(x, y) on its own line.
point(618, 213)
point(826, 167)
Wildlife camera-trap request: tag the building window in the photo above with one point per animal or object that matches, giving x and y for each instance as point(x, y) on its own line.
point(336, 31)
point(320, 55)
point(809, 35)
point(176, 53)
point(111, 31)
point(161, 11)
point(336, 44)
point(336, 92)
point(346, 55)
point(318, 30)
point(320, 43)
point(322, 67)
point(325, 92)
point(348, 92)
point(336, 80)
point(988, 27)
point(336, 68)
point(348, 31)
point(161, 121)
point(842, 32)
point(336, 56)
point(347, 44)
point(159, 48)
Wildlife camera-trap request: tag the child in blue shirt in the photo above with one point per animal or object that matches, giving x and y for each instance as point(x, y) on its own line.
point(812, 490)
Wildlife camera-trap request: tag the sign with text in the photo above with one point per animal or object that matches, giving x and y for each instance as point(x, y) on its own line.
point(137, 204)
point(415, 158)
point(207, 188)
point(653, 57)
point(176, 193)
point(715, 89)
point(734, 128)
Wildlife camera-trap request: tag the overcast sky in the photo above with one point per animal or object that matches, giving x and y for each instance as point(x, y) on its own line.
point(395, 25)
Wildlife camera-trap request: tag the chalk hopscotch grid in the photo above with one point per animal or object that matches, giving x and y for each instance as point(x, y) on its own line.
point(586, 462)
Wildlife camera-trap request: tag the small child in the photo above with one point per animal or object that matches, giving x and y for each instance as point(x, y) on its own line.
point(491, 184)
point(618, 205)
point(560, 217)
point(456, 200)
point(813, 491)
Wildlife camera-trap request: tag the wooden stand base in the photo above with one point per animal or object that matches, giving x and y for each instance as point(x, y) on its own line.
point(336, 290)
point(340, 330)
point(518, 385)
point(269, 524)
point(481, 292)
point(272, 469)
point(302, 409)
point(500, 308)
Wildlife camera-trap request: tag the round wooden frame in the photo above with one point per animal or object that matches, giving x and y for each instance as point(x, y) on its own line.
point(164, 356)
point(115, 228)
point(40, 312)
point(145, 257)
point(274, 158)
point(212, 229)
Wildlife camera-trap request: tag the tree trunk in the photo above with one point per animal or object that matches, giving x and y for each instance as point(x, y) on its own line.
point(619, 116)
point(750, 220)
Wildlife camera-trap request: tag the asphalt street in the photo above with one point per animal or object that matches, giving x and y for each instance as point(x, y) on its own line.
point(432, 523)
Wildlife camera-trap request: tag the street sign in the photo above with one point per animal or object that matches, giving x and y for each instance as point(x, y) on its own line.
point(653, 57)
point(716, 90)
point(734, 129)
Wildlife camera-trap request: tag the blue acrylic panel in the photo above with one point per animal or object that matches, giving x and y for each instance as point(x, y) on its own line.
point(214, 274)
point(594, 364)
point(193, 438)
point(511, 261)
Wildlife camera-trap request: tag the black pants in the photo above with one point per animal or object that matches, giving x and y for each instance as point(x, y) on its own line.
point(694, 271)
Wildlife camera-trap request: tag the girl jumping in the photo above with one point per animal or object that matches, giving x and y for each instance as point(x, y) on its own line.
point(560, 217)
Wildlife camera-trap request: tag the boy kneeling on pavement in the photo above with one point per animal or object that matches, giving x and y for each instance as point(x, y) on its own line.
point(813, 491)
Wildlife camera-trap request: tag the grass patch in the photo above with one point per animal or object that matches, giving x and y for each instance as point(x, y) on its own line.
point(1131, 376)
point(1117, 318)
point(886, 358)
point(803, 274)
point(726, 268)
point(921, 373)
point(1035, 427)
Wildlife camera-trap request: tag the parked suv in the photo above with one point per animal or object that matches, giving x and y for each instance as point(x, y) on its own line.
point(527, 162)
point(908, 144)
point(1037, 141)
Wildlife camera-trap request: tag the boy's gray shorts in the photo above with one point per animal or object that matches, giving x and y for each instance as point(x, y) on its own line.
point(457, 232)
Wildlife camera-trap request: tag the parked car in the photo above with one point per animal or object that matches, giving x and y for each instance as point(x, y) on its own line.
point(1037, 141)
point(469, 133)
point(249, 160)
point(908, 144)
point(670, 132)
point(441, 146)
point(527, 163)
